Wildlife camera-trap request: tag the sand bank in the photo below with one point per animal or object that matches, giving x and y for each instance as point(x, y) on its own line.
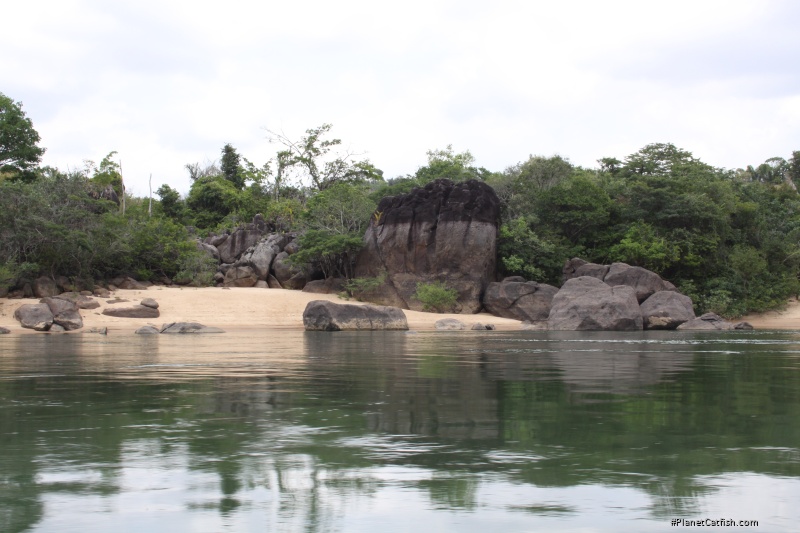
point(242, 308)
point(228, 309)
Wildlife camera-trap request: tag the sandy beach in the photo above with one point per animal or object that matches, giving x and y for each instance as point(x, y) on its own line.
point(229, 309)
point(242, 308)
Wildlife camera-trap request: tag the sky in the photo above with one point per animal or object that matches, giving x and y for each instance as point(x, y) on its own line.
point(165, 83)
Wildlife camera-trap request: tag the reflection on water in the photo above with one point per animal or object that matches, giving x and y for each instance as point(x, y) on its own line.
point(467, 431)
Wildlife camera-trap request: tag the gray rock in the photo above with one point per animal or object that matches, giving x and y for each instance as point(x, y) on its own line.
point(131, 284)
point(98, 331)
point(708, 321)
point(744, 326)
point(490, 327)
point(236, 243)
point(261, 255)
point(273, 282)
point(188, 327)
point(325, 286)
point(209, 249)
point(291, 248)
point(44, 287)
point(643, 281)
point(666, 310)
point(533, 326)
point(80, 300)
point(149, 302)
point(519, 300)
point(287, 274)
point(477, 326)
point(240, 276)
point(100, 292)
point(135, 311)
point(592, 270)
point(57, 328)
point(449, 324)
point(587, 304)
point(147, 330)
point(261, 284)
point(34, 316)
point(444, 231)
point(4, 331)
point(65, 313)
point(322, 315)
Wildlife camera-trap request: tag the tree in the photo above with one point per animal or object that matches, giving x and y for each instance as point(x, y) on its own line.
point(19, 153)
point(171, 203)
point(450, 165)
point(310, 158)
point(231, 167)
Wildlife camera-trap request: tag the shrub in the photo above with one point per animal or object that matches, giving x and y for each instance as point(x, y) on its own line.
point(436, 297)
point(359, 288)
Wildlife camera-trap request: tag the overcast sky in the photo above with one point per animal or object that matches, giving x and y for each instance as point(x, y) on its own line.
point(168, 83)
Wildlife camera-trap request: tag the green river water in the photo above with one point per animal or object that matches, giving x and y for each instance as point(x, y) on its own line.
point(289, 431)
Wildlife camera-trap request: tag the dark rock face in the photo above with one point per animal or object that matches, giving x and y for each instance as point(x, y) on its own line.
point(322, 315)
point(260, 256)
point(519, 300)
point(147, 330)
point(666, 310)
point(444, 231)
point(80, 300)
point(34, 316)
point(149, 302)
point(135, 311)
point(237, 242)
point(587, 304)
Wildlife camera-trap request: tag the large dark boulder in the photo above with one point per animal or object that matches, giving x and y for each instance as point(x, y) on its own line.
point(666, 310)
point(444, 231)
point(322, 315)
point(520, 300)
point(587, 304)
point(34, 316)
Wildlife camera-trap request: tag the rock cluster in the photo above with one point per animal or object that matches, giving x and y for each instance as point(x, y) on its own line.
point(50, 314)
point(443, 231)
point(616, 297)
point(250, 257)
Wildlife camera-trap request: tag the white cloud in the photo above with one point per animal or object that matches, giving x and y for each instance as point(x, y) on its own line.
point(168, 83)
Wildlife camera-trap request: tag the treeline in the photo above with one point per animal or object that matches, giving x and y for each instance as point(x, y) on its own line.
point(730, 239)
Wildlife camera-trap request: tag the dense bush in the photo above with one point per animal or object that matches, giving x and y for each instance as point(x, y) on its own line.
point(436, 296)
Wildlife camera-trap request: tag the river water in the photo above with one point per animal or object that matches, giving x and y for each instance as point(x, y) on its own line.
point(290, 431)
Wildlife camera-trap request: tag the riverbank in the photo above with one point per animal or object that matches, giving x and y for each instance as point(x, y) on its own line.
point(242, 308)
point(229, 309)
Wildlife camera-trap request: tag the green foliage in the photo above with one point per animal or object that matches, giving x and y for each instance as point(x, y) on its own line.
point(171, 204)
point(211, 199)
point(524, 253)
point(446, 164)
point(436, 297)
point(196, 268)
point(332, 253)
point(231, 167)
point(19, 153)
point(341, 208)
point(642, 246)
point(361, 288)
point(108, 173)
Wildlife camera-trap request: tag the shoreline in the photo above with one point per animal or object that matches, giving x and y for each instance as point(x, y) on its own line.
point(231, 309)
point(241, 308)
